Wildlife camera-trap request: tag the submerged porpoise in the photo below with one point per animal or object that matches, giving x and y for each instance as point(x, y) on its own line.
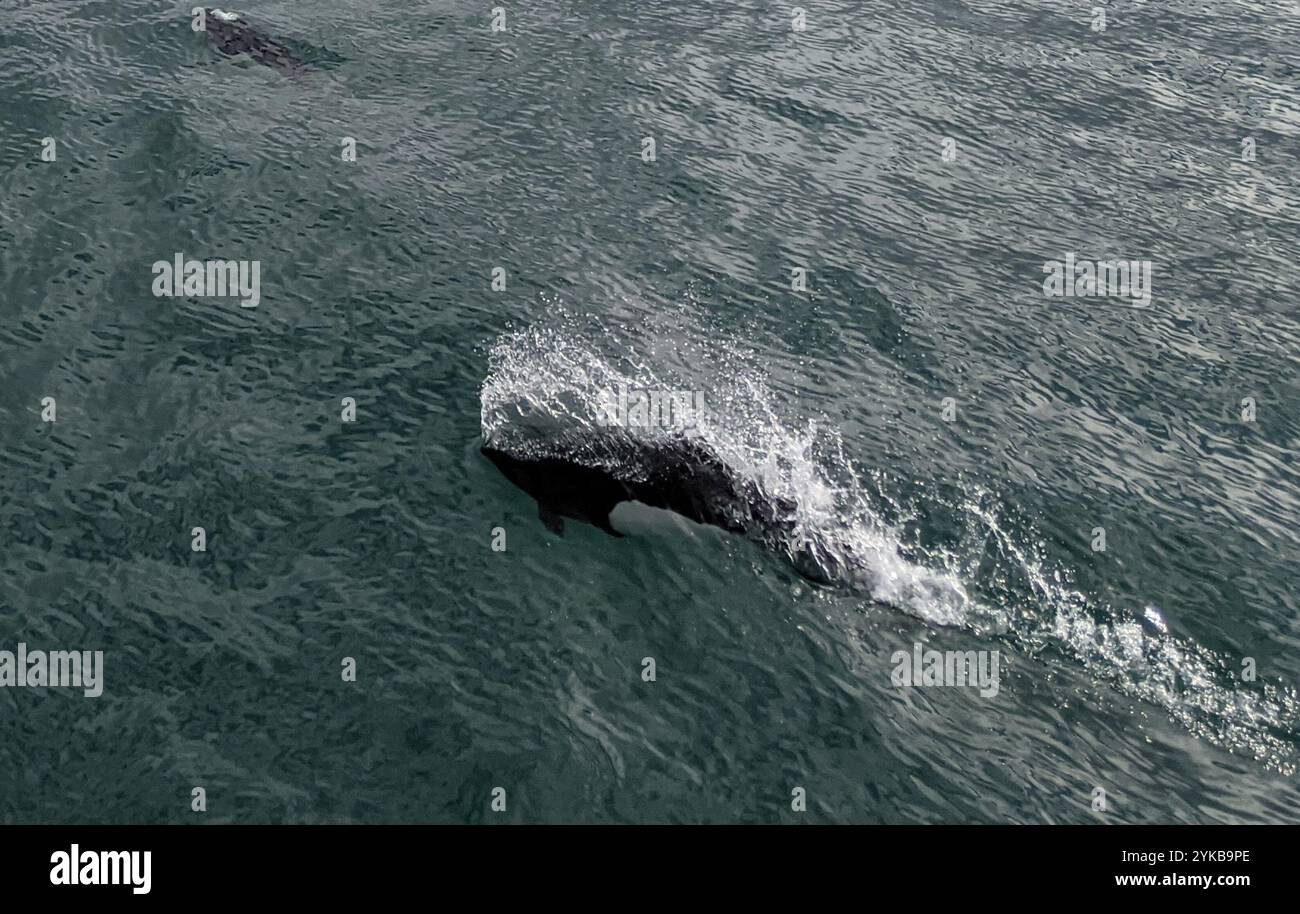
point(233, 35)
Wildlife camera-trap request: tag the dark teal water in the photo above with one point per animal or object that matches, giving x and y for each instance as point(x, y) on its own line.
point(775, 149)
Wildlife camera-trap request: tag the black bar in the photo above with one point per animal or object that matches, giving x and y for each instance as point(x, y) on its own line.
point(327, 863)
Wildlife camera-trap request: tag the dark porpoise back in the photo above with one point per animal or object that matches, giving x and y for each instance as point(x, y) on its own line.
point(564, 489)
point(677, 476)
point(233, 35)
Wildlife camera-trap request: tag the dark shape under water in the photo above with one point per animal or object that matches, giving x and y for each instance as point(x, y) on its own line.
point(677, 475)
point(233, 35)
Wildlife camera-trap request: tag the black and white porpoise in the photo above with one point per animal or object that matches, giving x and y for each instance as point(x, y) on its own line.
point(677, 476)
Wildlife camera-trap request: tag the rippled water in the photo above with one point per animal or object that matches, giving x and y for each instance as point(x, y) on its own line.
point(774, 149)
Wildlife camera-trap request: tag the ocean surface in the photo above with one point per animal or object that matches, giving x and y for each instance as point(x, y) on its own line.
point(506, 248)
